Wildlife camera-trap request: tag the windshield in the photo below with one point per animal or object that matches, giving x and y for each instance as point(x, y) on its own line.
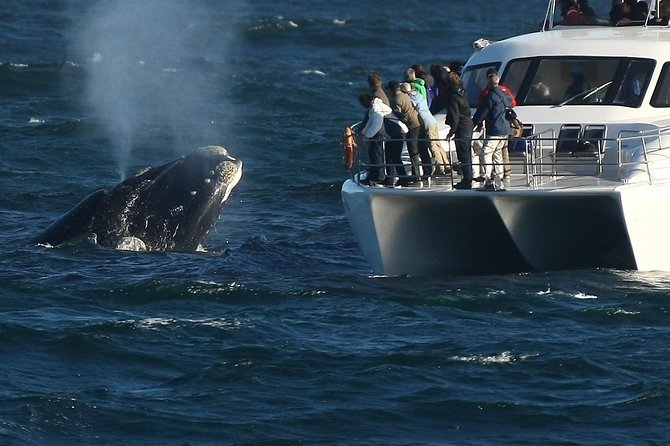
point(568, 81)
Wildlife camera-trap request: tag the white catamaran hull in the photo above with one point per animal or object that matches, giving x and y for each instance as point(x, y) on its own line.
point(435, 232)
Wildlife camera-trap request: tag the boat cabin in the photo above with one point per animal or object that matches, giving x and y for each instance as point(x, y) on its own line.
point(588, 84)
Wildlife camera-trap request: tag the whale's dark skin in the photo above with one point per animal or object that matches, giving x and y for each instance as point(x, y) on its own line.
point(166, 208)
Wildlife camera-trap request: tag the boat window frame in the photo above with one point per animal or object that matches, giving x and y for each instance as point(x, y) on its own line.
point(662, 86)
point(522, 91)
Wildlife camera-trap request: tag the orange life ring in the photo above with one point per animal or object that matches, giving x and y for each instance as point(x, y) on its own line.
point(348, 146)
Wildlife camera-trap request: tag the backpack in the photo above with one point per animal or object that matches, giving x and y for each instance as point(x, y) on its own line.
point(510, 114)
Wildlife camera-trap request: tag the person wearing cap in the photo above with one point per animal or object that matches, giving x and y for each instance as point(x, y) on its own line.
point(504, 88)
point(482, 94)
point(492, 113)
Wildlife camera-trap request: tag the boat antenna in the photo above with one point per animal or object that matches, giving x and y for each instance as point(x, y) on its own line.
point(549, 16)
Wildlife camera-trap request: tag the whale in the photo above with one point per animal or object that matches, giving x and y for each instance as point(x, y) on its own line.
point(167, 208)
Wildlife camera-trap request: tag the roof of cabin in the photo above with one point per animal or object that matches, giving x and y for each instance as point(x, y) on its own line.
point(634, 41)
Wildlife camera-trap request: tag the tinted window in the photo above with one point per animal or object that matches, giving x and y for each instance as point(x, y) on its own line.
point(474, 80)
point(661, 97)
point(576, 81)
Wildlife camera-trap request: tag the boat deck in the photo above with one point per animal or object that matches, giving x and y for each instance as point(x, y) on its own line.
point(544, 161)
point(517, 181)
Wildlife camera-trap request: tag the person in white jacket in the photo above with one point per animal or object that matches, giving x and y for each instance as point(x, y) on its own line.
point(384, 133)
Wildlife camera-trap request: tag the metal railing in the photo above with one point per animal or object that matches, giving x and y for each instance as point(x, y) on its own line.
point(535, 159)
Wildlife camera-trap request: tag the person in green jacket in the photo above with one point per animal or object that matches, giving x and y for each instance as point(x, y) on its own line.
point(417, 83)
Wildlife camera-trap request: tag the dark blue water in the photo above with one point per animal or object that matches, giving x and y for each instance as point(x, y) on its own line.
point(279, 334)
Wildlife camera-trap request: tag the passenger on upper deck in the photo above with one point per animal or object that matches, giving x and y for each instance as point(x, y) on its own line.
point(616, 13)
point(570, 13)
point(626, 11)
point(664, 12)
point(587, 11)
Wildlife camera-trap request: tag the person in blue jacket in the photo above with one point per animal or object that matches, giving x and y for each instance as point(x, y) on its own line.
point(491, 112)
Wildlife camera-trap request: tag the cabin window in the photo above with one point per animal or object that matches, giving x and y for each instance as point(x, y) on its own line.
point(579, 81)
point(475, 80)
point(661, 97)
point(515, 74)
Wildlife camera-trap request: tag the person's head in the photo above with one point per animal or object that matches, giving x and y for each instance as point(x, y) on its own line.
point(406, 87)
point(491, 71)
point(457, 66)
point(436, 70)
point(410, 75)
point(493, 79)
point(365, 99)
point(419, 70)
point(374, 79)
point(629, 5)
point(393, 86)
point(566, 5)
point(453, 78)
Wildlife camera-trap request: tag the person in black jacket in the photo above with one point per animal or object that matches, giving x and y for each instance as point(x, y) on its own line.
point(461, 125)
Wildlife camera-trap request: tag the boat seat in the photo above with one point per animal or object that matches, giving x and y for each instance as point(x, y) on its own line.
point(591, 142)
point(581, 143)
point(568, 139)
point(518, 146)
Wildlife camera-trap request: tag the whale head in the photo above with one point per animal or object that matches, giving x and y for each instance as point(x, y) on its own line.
point(170, 207)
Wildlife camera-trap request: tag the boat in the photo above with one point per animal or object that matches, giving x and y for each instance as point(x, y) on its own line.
point(590, 176)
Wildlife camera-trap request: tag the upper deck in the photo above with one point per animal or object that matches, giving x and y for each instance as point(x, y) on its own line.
point(622, 71)
point(634, 41)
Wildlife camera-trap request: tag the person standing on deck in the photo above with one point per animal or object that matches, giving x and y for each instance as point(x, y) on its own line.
point(507, 171)
point(403, 108)
point(429, 136)
point(460, 127)
point(492, 113)
point(373, 130)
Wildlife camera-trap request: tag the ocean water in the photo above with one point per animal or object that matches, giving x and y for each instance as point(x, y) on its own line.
point(277, 334)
